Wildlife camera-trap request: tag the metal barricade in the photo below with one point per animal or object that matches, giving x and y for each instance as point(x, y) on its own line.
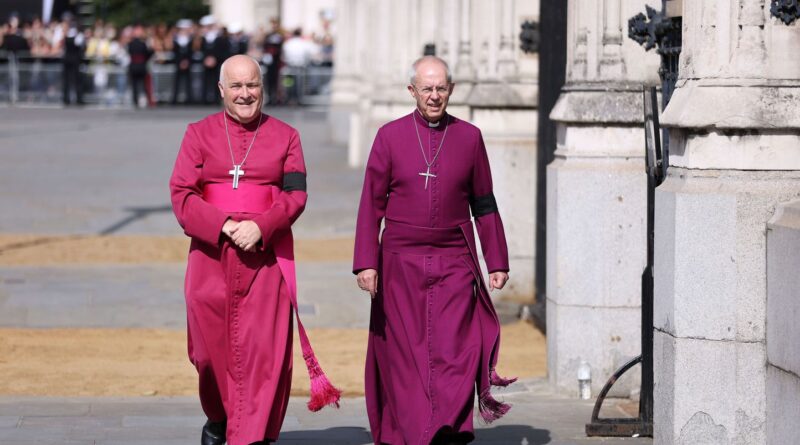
point(25, 79)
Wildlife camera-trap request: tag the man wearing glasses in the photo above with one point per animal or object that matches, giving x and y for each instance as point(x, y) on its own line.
point(434, 334)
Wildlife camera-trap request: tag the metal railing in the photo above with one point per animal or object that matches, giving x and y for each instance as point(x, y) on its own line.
point(26, 79)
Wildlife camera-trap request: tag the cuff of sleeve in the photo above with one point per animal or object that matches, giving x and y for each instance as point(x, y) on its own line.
point(363, 264)
point(359, 267)
point(270, 222)
point(210, 233)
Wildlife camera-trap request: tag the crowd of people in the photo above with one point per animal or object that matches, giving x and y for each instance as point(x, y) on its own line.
point(192, 51)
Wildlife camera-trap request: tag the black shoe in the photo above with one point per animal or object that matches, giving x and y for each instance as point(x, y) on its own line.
point(213, 433)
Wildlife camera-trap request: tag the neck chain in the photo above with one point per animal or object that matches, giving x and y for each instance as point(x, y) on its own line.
point(428, 173)
point(237, 171)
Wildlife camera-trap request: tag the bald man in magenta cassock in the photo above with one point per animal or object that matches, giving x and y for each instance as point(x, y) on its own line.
point(238, 184)
point(434, 334)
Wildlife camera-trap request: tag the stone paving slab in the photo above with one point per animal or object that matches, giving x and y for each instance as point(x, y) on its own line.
point(538, 417)
point(151, 296)
point(107, 171)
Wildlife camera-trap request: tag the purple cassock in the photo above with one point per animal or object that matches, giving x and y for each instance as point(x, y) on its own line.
point(434, 335)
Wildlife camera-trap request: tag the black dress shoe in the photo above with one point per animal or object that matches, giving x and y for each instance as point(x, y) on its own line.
point(213, 433)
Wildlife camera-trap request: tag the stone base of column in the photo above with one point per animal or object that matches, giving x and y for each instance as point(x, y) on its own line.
point(596, 252)
point(783, 330)
point(783, 393)
point(711, 301)
point(606, 338)
point(709, 391)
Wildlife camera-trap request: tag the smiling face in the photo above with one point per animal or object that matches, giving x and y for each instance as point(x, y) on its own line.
point(241, 88)
point(431, 89)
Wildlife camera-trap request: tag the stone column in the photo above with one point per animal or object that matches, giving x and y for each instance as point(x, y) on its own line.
point(507, 64)
point(464, 70)
point(596, 200)
point(735, 157)
point(783, 311)
point(346, 79)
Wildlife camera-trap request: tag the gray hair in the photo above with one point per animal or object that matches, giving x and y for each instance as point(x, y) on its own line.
point(412, 72)
point(222, 69)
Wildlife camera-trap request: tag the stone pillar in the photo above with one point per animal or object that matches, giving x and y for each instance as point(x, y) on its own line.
point(735, 156)
point(346, 80)
point(464, 69)
point(507, 64)
point(596, 200)
point(783, 311)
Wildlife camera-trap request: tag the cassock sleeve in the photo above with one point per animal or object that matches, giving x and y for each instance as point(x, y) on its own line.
point(372, 207)
point(199, 219)
point(291, 200)
point(484, 210)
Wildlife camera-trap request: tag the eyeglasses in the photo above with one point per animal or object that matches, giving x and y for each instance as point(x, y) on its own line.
point(427, 91)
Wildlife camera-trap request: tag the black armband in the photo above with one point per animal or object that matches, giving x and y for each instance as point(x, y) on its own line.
point(483, 205)
point(294, 181)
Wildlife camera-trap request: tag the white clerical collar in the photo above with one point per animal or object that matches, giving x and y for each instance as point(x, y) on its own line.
point(430, 124)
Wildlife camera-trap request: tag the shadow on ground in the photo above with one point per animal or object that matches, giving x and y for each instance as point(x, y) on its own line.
point(512, 435)
point(348, 435)
point(505, 434)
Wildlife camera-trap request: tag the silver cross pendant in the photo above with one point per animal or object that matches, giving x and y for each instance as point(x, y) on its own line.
point(236, 172)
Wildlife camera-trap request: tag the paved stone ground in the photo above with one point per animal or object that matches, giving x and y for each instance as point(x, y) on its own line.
point(106, 172)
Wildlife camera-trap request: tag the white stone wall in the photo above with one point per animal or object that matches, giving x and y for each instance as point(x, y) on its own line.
point(734, 159)
point(596, 199)
point(250, 14)
point(783, 330)
point(495, 90)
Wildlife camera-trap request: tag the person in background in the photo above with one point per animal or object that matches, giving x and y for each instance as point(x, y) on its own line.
point(216, 49)
point(182, 55)
point(297, 54)
point(238, 40)
point(273, 46)
point(140, 54)
point(74, 49)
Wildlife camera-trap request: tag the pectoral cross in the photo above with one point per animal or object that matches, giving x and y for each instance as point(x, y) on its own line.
point(236, 172)
point(427, 176)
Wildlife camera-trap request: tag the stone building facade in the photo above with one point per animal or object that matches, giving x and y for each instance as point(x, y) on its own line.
point(596, 198)
point(727, 218)
point(725, 370)
point(496, 89)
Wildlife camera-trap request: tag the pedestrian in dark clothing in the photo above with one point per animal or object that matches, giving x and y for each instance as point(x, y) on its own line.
point(238, 39)
point(13, 40)
point(216, 48)
point(182, 50)
point(273, 45)
point(140, 54)
point(74, 49)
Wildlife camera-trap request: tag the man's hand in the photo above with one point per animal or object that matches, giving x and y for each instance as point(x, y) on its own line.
point(227, 228)
point(367, 280)
point(497, 280)
point(246, 235)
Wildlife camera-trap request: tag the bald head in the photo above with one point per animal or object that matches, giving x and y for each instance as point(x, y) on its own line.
point(241, 87)
point(431, 86)
point(239, 63)
point(426, 64)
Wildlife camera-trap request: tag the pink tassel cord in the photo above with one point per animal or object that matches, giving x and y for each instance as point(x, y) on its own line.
point(490, 408)
point(496, 380)
point(323, 393)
